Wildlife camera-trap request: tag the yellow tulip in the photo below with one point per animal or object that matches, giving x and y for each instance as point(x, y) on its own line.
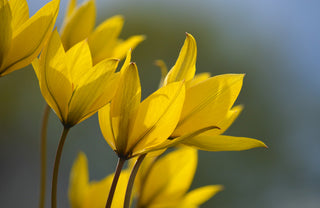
point(85, 194)
point(164, 182)
point(129, 126)
point(22, 38)
point(72, 87)
point(208, 107)
point(104, 43)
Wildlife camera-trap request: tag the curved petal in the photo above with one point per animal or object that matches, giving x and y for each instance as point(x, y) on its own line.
point(185, 67)
point(209, 142)
point(78, 25)
point(122, 47)
point(20, 13)
point(5, 31)
point(156, 117)
point(106, 126)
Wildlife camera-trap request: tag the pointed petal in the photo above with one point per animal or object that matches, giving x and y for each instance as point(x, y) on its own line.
point(197, 79)
point(169, 178)
point(94, 91)
point(20, 13)
point(123, 46)
point(79, 62)
point(30, 37)
point(106, 126)
point(103, 39)
point(156, 117)
point(79, 25)
point(79, 181)
point(126, 62)
point(185, 67)
point(164, 71)
point(55, 82)
point(208, 102)
point(124, 104)
point(71, 8)
point(208, 142)
point(200, 195)
point(5, 31)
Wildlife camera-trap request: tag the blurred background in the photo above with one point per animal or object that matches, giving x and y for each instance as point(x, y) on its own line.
point(276, 43)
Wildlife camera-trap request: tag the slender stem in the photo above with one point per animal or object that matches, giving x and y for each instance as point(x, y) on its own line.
point(56, 167)
point(43, 153)
point(115, 181)
point(131, 180)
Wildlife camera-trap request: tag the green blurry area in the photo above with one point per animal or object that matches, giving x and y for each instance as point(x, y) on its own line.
point(281, 108)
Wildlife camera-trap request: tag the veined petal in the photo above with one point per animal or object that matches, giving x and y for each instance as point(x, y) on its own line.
point(31, 36)
point(185, 67)
point(103, 39)
point(122, 47)
point(209, 142)
point(5, 31)
point(208, 102)
point(156, 117)
point(85, 97)
point(20, 13)
point(79, 24)
point(106, 126)
point(54, 74)
point(170, 178)
point(124, 104)
point(199, 196)
point(79, 181)
point(79, 62)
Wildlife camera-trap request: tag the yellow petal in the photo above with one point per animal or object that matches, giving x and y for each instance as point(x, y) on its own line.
point(169, 178)
point(185, 66)
point(123, 46)
point(209, 142)
point(103, 40)
point(20, 12)
point(86, 99)
point(200, 195)
point(78, 25)
point(30, 37)
point(164, 71)
point(156, 117)
point(106, 126)
point(197, 79)
point(55, 82)
point(5, 31)
point(71, 8)
point(208, 102)
point(79, 62)
point(79, 181)
point(124, 104)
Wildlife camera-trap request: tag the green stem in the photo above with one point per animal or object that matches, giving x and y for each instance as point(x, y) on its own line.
point(43, 153)
point(56, 167)
point(131, 180)
point(116, 176)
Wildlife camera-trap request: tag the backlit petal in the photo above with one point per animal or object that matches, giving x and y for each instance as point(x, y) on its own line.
point(20, 12)
point(5, 32)
point(79, 24)
point(106, 126)
point(209, 142)
point(185, 66)
point(123, 46)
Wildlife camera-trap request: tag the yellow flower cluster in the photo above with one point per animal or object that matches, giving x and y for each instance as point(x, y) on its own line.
point(77, 78)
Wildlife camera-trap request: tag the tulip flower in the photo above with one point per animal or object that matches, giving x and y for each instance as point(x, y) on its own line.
point(22, 38)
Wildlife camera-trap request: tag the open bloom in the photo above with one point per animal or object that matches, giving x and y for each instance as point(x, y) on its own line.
point(163, 182)
point(21, 37)
point(208, 107)
point(129, 126)
point(85, 194)
point(72, 87)
point(103, 41)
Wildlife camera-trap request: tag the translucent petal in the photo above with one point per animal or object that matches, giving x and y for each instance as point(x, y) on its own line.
point(78, 25)
point(156, 117)
point(20, 13)
point(209, 142)
point(169, 178)
point(5, 31)
point(79, 181)
point(123, 46)
point(208, 102)
point(103, 39)
point(106, 126)
point(185, 66)
point(197, 79)
point(164, 71)
point(71, 8)
point(124, 104)
point(30, 37)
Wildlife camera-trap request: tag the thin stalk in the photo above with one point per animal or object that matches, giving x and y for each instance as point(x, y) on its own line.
point(116, 176)
point(56, 167)
point(131, 180)
point(43, 153)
